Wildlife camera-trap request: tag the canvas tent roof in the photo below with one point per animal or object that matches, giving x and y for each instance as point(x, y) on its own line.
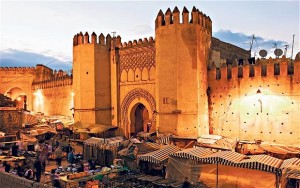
point(193, 153)
point(98, 141)
point(224, 157)
point(291, 172)
point(278, 149)
point(160, 155)
point(147, 147)
point(92, 141)
point(261, 162)
point(90, 128)
point(290, 162)
point(217, 142)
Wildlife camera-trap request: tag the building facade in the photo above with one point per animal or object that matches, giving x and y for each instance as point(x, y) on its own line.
point(183, 82)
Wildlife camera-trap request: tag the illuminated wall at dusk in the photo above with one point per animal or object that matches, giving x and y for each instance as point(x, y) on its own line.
point(254, 106)
point(54, 97)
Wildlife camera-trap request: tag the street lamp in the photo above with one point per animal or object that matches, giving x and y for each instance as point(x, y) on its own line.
point(259, 94)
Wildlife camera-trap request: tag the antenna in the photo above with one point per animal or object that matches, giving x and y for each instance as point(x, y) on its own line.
point(114, 34)
point(292, 48)
point(275, 45)
point(251, 44)
point(285, 49)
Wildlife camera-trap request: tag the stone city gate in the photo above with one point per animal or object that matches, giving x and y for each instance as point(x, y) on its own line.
point(137, 99)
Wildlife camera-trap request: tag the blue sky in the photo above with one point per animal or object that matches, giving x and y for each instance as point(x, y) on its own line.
point(40, 31)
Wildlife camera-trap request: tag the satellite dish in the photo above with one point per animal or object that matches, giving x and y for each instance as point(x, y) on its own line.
point(263, 53)
point(278, 52)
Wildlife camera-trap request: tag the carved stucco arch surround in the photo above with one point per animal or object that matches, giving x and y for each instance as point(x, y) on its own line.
point(135, 96)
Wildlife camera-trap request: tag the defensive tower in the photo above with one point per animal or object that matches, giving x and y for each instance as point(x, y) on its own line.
point(182, 52)
point(91, 81)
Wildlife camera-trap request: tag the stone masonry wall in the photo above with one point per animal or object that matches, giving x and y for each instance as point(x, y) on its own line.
point(54, 97)
point(256, 102)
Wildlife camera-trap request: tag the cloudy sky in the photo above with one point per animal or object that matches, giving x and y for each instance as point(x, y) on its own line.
point(42, 31)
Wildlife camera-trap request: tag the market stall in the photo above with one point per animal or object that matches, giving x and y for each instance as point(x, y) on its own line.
point(290, 170)
point(159, 156)
point(186, 163)
point(224, 168)
point(154, 162)
point(101, 150)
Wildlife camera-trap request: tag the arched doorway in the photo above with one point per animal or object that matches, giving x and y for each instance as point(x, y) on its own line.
point(139, 117)
point(128, 107)
point(18, 96)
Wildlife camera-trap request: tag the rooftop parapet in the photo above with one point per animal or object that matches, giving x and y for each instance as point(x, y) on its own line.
point(136, 43)
point(260, 67)
point(79, 38)
point(173, 18)
point(17, 68)
point(64, 80)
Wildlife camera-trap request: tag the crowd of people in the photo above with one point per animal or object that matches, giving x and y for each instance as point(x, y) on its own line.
point(34, 166)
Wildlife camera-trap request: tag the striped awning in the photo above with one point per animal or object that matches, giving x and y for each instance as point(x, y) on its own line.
point(261, 162)
point(109, 141)
point(224, 158)
point(193, 153)
point(152, 145)
point(92, 141)
point(160, 155)
point(290, 162)
point(113, 140)
point(164, 138)
point(293, 176)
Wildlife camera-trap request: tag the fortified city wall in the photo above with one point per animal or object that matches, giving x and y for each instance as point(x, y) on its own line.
point(16, 81)
point(54, 96)
point(256, 101)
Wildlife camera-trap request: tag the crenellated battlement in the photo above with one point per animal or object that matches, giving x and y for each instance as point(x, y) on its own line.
point(173, 18)
point(17, 68)
point(244, 68)
point(79, 38)
point(136, 43)
point(57, 81)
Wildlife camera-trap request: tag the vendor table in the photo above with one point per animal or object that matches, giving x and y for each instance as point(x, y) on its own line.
point(11, 158)
point(66, 183)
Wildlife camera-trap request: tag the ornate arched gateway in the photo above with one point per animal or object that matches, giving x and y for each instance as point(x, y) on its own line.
point(136, 103)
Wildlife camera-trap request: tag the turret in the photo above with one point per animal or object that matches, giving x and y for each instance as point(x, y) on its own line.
point(91, 66)
point(182, 50)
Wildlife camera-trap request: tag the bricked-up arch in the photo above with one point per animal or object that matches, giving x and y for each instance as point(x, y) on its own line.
point(137, 93)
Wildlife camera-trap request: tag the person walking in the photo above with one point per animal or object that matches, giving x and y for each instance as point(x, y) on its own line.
point(49, 153)
point(59, 154)
point(6, 166)
point(71, 157)
point(43, 157)
point(38, 170)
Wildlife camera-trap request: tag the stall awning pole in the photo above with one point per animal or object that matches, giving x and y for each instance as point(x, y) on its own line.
point(217, 184)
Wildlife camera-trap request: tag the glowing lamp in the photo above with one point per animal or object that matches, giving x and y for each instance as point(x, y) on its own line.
point(259, 94)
